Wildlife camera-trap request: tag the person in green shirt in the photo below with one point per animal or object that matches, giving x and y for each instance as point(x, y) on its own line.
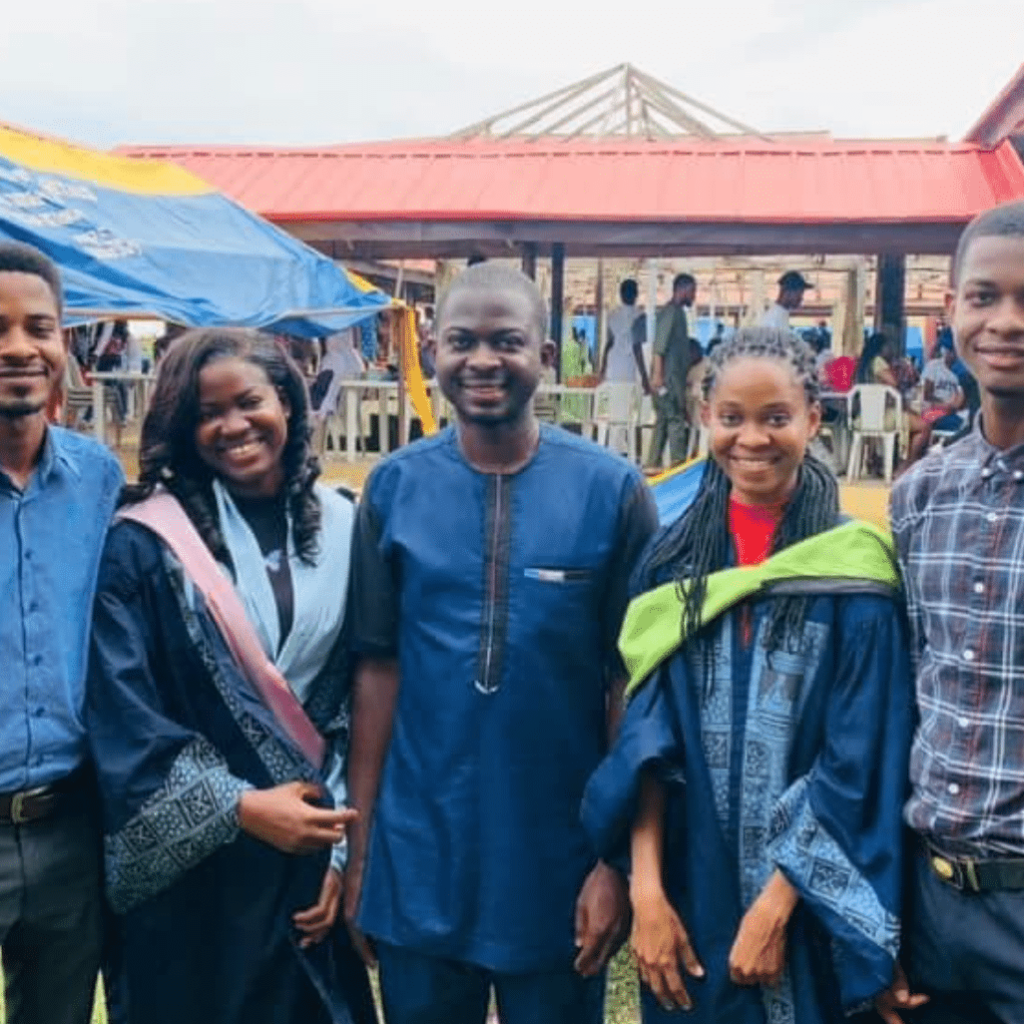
point(669, 367)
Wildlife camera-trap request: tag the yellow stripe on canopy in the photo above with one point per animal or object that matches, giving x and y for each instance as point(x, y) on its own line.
point(360, 282)
point(143, 177)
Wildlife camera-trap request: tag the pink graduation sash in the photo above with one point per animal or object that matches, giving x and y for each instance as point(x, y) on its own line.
point(162, 514)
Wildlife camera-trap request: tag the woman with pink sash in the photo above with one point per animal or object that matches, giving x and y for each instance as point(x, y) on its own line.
point(218, 704)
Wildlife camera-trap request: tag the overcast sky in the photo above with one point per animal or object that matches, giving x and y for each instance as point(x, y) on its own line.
point(303, 72)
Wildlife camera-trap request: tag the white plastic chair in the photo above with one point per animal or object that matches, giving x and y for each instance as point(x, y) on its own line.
point(617, 416)
point(645, 421)
point(869, 404)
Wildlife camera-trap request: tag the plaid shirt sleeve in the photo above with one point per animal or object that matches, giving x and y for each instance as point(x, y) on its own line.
point(958, 524)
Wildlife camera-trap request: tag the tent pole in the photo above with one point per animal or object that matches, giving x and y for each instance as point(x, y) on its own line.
point(557, 300)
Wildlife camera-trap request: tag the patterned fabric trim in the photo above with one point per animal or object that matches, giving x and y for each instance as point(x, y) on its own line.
point(190, 816)
point(283, 763)
point(816, 863)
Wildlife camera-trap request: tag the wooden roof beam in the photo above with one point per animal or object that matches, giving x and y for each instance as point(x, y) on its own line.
point(481, 127)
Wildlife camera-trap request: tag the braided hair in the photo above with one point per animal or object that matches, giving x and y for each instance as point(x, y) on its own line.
point(698, 543)
point(168, 454)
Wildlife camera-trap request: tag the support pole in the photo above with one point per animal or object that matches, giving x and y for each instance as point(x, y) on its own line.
point(599, 317)
point(557, 301)
point(890, 299)
point(652, 301)
point(757, 301)
point(530, 260)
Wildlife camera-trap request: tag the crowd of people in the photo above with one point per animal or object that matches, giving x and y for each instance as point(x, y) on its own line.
point(486, 724)
point(937, 402)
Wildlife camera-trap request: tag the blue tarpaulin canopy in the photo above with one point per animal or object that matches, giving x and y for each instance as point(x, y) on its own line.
point(674, 492)
point(146, 239)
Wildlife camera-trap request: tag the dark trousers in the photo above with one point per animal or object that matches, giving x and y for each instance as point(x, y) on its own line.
point(964, 950)
point(670, 427)
point(51, 916)
point(420, 989)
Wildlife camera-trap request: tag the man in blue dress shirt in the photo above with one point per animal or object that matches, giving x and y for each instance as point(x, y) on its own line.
point(490, 577)
point(57, 493)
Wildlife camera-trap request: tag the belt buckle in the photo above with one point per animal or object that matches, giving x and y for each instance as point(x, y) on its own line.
point(970, 874)
point(960, 874)
point(946, 869)
point(18, 808)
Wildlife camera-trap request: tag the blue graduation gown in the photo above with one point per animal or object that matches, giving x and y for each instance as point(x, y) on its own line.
point(204, 912)
point(794, 760)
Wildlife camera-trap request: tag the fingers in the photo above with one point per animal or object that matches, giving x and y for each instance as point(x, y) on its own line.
point(888, 1014)
point(666, 985)
point(308, 791)
point(317, 921)
point(330, 819)
point(608, 948)
point(588, 961)
point(686, 954)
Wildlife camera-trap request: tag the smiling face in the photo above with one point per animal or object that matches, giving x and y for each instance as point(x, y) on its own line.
point(987, 314)
point(242, 428)
point(488, 355)
point(760, 423)
point(32, 352)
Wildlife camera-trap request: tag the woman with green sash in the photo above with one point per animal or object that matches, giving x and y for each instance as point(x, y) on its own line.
point(758, 778)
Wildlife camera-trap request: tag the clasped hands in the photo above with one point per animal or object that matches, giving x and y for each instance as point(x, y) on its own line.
point(661, 944)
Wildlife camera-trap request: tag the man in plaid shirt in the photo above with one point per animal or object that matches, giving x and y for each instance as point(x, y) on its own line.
point(958, 520)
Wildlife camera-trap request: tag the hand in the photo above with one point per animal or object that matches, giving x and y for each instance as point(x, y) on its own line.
point(602, 917)
point(758, 956)
point(319, 919)
point(660, 944)
point(285, 817)
point(353, 893)
point(897, 997)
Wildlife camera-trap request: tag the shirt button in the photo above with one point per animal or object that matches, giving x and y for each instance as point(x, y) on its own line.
point(986, 473)
point(991, 517)
point(954, 789)
point(39, 712)
point(37, 660)
point(968, 655)
point(28, 556)
point(979, 588)
point(1018, 474)
point(963, 722)
point(33, 606)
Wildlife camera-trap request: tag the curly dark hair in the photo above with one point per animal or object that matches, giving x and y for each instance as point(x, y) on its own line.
point(168, 454)
point(698, 543)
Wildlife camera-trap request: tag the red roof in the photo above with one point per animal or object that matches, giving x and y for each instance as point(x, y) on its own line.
point(550, 180)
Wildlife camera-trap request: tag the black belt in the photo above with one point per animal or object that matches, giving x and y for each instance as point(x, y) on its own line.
point(969, 875)
point(40, 802)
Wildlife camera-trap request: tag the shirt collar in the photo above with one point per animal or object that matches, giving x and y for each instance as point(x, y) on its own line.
point(991, 457)
point(56, 456)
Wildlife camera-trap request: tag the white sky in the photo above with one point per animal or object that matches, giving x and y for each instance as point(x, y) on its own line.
point(318, 71)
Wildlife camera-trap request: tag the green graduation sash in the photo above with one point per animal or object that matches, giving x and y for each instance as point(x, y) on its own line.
point(853, 557)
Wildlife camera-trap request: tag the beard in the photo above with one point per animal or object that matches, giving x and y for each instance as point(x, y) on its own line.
point(19, 408)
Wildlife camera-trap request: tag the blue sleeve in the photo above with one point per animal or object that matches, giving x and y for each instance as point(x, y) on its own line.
point(637, 523)
point(837, 831)
point(374, 594)
point(648, 737)
point(168, 797)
